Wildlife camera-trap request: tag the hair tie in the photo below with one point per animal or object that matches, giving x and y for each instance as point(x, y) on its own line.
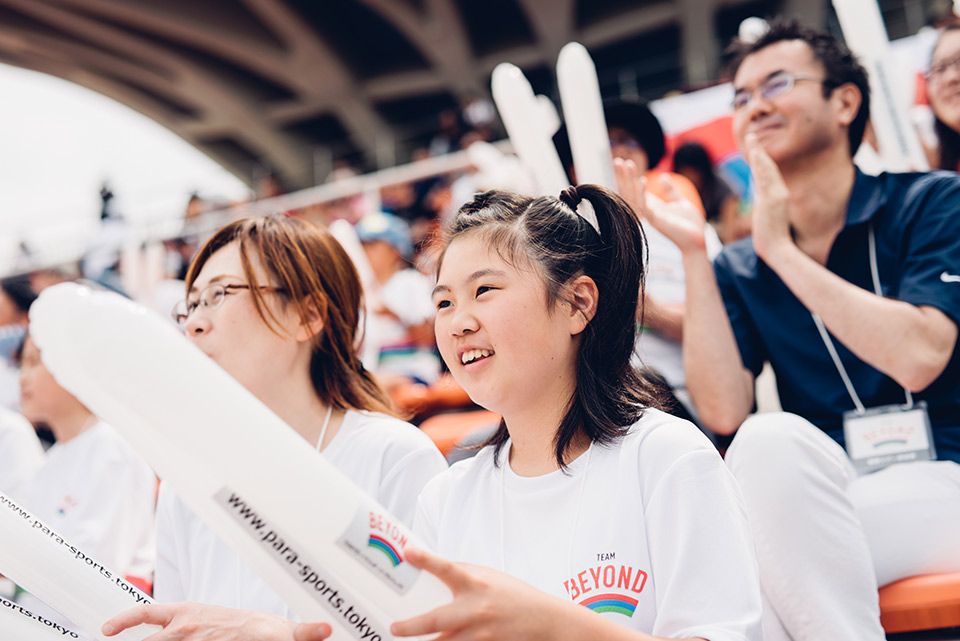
point(584, 208)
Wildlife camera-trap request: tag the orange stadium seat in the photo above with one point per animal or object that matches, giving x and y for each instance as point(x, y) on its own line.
point(446, 430)
point(423, 400)
point(928, 602)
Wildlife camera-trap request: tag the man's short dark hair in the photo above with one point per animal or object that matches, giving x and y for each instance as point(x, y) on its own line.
point(839, 64)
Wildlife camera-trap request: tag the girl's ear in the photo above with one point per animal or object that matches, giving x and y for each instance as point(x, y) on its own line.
point(583, 298)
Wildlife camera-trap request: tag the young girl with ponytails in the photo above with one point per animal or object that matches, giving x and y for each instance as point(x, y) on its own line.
point(623, 517)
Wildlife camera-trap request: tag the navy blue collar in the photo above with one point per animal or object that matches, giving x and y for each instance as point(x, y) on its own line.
point(869, 195)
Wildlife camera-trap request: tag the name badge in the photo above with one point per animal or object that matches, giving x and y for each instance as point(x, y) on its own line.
point(889, 434)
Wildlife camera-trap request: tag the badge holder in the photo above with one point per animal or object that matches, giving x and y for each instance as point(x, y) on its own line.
point(881, 436)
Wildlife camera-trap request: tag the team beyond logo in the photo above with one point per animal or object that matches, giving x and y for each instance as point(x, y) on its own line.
point(377, 542)
point(895, 435)
point(611, 603)
point(594, 588)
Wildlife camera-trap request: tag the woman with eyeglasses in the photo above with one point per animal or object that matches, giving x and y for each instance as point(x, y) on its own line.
point(276, 302)
point(943, 92)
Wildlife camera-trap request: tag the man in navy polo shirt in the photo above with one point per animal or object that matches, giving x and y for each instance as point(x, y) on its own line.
point(850, 288)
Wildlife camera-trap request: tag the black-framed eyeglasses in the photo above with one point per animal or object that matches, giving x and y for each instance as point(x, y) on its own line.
point(773, 87)
point(212, 297)
point(936, 71)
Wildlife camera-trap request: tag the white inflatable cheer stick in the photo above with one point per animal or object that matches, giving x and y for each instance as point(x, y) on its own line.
point(61, 575)
point(583, 113)
point(333, 553)
point(530, 135)
point(867, 37)
point(21, 624)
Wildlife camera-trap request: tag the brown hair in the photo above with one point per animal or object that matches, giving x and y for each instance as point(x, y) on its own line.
point(316, 275)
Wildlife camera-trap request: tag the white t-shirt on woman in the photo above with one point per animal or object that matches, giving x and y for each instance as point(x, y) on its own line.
point(650, 532)
point(385, 457)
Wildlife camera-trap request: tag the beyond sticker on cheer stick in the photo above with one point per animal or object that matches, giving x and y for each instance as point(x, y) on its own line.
point(531, 138)
point(583, 112)
point(61, 575)
point(865, 34)
point(333, 553)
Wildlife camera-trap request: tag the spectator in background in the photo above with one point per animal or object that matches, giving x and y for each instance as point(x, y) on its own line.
point(943, 91)
point(92, 488)
point(636, 136)
point(16, 296)
point(101, 262)
point(480, 114)
point(402, 323)
point(720, 203)
point(849, 287)
point(450, 130)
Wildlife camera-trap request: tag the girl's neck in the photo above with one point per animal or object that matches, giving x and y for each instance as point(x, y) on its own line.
point(532, 446)
point(71, 423)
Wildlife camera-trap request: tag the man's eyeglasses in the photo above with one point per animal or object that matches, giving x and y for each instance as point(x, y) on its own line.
point(773, 87)
point(211, 297)
point(937, 71)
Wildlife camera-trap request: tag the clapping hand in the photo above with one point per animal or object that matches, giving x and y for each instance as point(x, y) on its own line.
point(676, 218)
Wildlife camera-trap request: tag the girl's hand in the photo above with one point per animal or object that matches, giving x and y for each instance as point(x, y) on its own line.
point(486, 605)
point(196, 622)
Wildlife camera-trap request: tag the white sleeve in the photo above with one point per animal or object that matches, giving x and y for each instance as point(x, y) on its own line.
point(114, 513)
point(405, 479)
point(702, 553)
point(169, 585)
point(21, 454)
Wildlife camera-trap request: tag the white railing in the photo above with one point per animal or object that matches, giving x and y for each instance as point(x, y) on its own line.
point(204, 225)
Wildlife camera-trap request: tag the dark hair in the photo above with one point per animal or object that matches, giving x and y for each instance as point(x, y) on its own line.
point(317, 276)
point(694, 156)
point(839, 65)
point(18, 289)
point(948, 137)
point(610, 395)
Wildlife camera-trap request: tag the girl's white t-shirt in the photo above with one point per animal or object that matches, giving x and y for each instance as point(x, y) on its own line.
point(385, 457)
point(97, 493)
point(650, 532)
point(21, 454)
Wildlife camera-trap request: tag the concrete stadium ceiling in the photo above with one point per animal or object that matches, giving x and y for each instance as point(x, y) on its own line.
point(285, 85)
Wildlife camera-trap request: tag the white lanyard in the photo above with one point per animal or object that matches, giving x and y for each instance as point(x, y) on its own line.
point(326, 424)
point(576, 514)
point(829, 343)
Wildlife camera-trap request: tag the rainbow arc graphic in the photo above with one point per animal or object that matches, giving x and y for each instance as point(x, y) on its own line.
point(379, 543)
point(611, 603)
point(890, 441)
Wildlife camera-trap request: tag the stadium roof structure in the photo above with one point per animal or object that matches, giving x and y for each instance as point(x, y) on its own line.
point(287, 85)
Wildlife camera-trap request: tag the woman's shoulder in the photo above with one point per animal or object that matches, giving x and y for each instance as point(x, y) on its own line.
point(374, 431)
point(101, 444)
point(465, 475)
